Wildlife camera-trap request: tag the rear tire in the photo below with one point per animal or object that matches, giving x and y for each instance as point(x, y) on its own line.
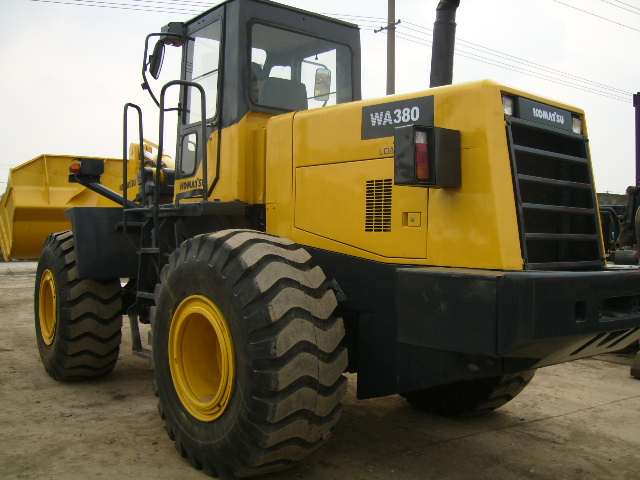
point(77, 322)
point(271, 390)
point(470, 397)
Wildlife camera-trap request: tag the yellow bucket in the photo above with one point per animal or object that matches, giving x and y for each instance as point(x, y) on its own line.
point(38, 192)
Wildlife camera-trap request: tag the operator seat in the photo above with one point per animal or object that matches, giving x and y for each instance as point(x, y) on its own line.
point(283, 93)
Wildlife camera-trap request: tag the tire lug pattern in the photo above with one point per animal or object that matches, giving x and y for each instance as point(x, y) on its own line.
point(89, 318)
point(292, 386)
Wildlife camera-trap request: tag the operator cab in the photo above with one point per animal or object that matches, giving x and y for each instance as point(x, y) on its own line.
point(251, 56)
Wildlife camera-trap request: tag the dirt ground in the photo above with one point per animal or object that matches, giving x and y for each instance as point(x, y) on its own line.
point(578, 421)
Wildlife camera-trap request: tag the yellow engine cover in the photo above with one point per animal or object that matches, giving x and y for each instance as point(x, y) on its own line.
point(330, 185)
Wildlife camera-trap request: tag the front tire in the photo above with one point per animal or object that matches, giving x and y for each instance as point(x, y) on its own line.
point(470, 397)
point(78, 322)
point(248, 357)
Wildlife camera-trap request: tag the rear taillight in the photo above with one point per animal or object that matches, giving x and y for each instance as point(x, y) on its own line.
point(423, 172)
point(427, 157)
point(86, 170)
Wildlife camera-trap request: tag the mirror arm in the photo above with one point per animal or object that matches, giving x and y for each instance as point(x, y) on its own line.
point(165, 37)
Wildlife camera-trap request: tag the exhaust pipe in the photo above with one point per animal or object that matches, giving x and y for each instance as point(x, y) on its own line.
point(444, 39)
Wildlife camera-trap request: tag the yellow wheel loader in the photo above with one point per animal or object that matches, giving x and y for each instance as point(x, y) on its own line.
point(443, 244)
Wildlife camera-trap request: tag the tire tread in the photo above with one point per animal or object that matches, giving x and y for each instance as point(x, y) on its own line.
point(88, 332)
point(297, 358)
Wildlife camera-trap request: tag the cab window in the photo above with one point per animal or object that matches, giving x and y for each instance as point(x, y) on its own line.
point(291, 71)
point(202, 66)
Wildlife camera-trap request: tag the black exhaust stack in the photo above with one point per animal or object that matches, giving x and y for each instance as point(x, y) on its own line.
point(444, 39)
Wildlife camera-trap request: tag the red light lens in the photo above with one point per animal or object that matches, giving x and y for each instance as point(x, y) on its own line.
point(75, 168)
point(423, 170)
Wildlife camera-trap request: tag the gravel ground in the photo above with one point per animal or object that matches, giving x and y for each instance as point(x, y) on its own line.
point(578, 420)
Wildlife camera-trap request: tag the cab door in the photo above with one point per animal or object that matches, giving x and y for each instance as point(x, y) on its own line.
point(201, 65)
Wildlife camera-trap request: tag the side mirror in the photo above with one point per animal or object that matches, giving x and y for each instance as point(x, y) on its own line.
point(156, 58)
point(322, 87)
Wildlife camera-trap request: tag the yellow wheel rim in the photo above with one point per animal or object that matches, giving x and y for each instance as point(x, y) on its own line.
point(48, 307)
point(201, 358)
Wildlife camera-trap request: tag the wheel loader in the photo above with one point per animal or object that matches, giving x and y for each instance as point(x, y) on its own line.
point(443, 244)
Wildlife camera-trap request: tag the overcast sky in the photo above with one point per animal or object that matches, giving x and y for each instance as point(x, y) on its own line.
point(66, 71)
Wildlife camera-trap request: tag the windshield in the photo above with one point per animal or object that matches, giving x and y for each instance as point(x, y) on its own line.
point(292, 71)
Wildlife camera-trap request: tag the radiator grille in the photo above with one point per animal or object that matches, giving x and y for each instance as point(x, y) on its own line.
point(558, 218)
point(378, 209)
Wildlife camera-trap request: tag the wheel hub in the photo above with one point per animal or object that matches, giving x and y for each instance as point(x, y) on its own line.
point(201, 358)
point(48, 307)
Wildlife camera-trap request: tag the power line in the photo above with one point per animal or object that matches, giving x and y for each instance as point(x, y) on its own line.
point(190, 3)
point(520, 70)
point(338, 15)
point(595, 15)
point(114, 6)
point(363, 22)
point(503, 60)
point(466, 49)
point(518, 60)
point(618, 6)
point(623, 3)
point(200, 5)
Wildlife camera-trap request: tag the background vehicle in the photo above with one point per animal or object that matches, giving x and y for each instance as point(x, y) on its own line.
point(443, 244)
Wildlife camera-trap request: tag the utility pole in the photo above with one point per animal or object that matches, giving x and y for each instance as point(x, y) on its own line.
point(391, 48)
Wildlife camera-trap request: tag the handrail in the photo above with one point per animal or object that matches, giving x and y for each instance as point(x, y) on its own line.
point(203, 143)
point(125, 162)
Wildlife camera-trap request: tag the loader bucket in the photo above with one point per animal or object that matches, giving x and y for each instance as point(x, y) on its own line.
point(38, 192)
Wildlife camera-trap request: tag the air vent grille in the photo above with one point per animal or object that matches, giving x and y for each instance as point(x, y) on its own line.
point(378, 214)
point(559, 221)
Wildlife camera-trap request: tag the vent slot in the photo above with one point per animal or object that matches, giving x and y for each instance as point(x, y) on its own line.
point(378, 210)
point(559, 221)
